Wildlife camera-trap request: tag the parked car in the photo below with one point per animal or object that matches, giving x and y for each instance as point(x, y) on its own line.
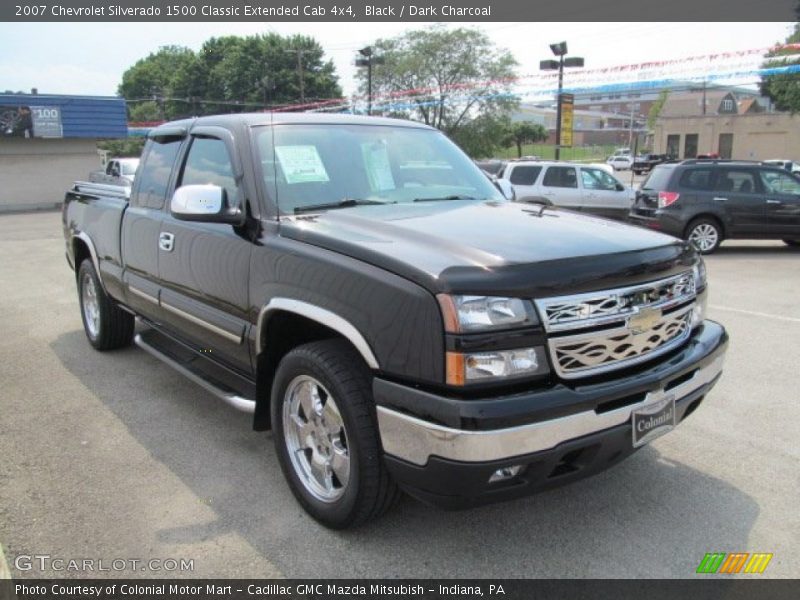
point(575, 186)
point(118, 171)
point(493, 166)
point(646, 162)
point(363, 289)
point(621, 162)
point(707, 201)
point(789, 165)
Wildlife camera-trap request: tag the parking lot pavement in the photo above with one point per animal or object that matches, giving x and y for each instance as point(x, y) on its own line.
point(115, 456)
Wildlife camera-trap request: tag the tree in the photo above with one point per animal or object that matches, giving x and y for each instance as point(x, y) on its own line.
point(783, 89)
point(453, 79)
point(524, 132)
point(230, 74)
point(656, 108)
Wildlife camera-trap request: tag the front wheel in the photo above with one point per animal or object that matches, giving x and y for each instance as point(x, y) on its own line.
point(326, 434)
point(106, 325)
point(705, 235)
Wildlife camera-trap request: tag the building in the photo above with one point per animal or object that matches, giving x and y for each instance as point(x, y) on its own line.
point(48, 141)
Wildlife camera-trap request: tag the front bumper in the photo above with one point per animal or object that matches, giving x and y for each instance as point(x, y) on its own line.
point(444, 450)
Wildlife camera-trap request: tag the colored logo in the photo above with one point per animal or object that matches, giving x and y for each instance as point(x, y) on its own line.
point(721, 563)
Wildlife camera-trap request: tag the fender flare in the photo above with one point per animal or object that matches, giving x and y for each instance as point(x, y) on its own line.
point(84, 237)
point(320, 315)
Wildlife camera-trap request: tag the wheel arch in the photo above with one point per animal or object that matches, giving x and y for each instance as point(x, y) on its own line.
point(707, 215)
point(284, 324)
point(83, 248)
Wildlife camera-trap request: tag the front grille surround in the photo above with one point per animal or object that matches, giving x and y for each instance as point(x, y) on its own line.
point(590, 333)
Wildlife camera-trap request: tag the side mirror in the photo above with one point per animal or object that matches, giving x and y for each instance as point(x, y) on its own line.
point(620, 187)
point(506, 189)
point(204, 203)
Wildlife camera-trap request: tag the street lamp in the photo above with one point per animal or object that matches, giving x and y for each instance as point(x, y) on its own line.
point(560, 50)
point(368, 60)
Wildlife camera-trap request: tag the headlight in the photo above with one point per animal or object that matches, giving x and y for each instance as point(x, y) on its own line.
point(468, 314)
point(497, 364)
point(699, 275)
point(699, 310)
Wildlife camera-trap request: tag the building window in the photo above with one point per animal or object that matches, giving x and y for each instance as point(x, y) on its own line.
point(673, 145)
point(727, 105)
point(690, 146)
point(726, 145)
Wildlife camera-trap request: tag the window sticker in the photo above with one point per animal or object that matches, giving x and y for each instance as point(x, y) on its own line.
point(301, 164)
point(376, 162)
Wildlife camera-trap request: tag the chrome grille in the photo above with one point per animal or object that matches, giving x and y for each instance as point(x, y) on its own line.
point(576, 354)
point(597, 308)
point(595, 332)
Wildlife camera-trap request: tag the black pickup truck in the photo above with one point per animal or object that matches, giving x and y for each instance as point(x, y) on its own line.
point(369, 294)
point(645, 163)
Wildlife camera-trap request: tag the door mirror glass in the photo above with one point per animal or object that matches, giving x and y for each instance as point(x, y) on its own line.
point(203, 202)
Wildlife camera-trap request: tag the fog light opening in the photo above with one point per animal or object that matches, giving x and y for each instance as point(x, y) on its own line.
point(505, 473)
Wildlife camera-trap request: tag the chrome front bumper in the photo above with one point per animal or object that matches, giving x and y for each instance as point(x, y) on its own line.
point(415, 440)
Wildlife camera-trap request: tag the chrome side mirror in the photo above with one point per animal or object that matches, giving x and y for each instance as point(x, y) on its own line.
point(206, 203)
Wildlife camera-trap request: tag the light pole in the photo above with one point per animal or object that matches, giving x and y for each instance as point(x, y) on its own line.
point(368, 60)
point(559, 50)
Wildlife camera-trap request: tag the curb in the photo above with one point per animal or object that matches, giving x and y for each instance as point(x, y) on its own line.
point(5, 572)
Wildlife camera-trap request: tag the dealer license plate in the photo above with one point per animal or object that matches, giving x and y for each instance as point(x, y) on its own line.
point(653, 421)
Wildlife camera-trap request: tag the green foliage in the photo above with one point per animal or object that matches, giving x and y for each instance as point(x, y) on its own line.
point(656, 108)
point(129, 147)
point(783, 90)
point(228, 74)
point(524, 132)
point(463, 83)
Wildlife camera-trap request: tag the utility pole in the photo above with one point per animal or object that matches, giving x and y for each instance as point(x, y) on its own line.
point(299, 52)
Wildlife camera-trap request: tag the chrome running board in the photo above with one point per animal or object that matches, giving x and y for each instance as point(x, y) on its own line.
point(221, 391)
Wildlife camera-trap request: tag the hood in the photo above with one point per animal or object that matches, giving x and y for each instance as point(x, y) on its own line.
point(492, 247)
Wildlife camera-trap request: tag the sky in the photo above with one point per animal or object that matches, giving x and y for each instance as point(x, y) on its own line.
point(89, 58)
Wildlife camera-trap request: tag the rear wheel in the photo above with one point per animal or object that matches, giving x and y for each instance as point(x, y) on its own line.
point(106, 325)
point(326, 434)
point(705, 234)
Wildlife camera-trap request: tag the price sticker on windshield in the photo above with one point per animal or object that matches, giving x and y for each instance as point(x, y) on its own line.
point(301, 164)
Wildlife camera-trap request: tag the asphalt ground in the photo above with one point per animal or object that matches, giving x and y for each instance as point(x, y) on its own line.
point(115, 456)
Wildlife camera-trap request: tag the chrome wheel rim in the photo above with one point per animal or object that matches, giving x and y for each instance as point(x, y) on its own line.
point(315, 439)
point(91, 308)
point(704, 237)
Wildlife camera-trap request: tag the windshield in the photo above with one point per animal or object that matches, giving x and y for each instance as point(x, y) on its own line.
point(323, 166)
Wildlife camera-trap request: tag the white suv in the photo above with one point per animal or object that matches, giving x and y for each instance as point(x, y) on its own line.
point(584, 188)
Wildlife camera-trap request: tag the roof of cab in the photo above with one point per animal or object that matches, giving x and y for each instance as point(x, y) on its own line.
point(278, 118)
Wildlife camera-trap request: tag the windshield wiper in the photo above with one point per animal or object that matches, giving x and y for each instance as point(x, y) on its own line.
point(453, 197)
point(343, 203)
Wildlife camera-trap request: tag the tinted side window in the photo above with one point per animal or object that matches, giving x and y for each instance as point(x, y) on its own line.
point(524, 175)
point(741, 181)
point(698, 179)
point(153, 180)
point(658, 179)
point(561, 177)
point(208, 163)
point(776, 182)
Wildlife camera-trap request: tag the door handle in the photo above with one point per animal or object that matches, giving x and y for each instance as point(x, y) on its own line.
point(718, 199)
point(166, 241)
point(774, 202)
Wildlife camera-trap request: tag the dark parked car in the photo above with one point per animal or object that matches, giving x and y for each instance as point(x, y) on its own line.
point(646, 162)
point(707, 201)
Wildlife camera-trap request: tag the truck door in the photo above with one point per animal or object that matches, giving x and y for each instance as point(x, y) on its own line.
point(602, 194)
point(204, 270)
point(141, 225)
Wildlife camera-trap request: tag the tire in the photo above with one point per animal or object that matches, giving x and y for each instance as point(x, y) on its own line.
point(106, 325)
point(705, 234)
point(337, 386)
point(792, 243)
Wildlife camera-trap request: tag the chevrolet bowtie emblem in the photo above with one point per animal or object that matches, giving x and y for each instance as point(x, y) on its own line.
point(644, 320)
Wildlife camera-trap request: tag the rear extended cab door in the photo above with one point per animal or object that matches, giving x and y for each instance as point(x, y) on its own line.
point(141, 223)
point(204, 267)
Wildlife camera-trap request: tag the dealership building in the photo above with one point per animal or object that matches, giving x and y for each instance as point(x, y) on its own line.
point(49, 141)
